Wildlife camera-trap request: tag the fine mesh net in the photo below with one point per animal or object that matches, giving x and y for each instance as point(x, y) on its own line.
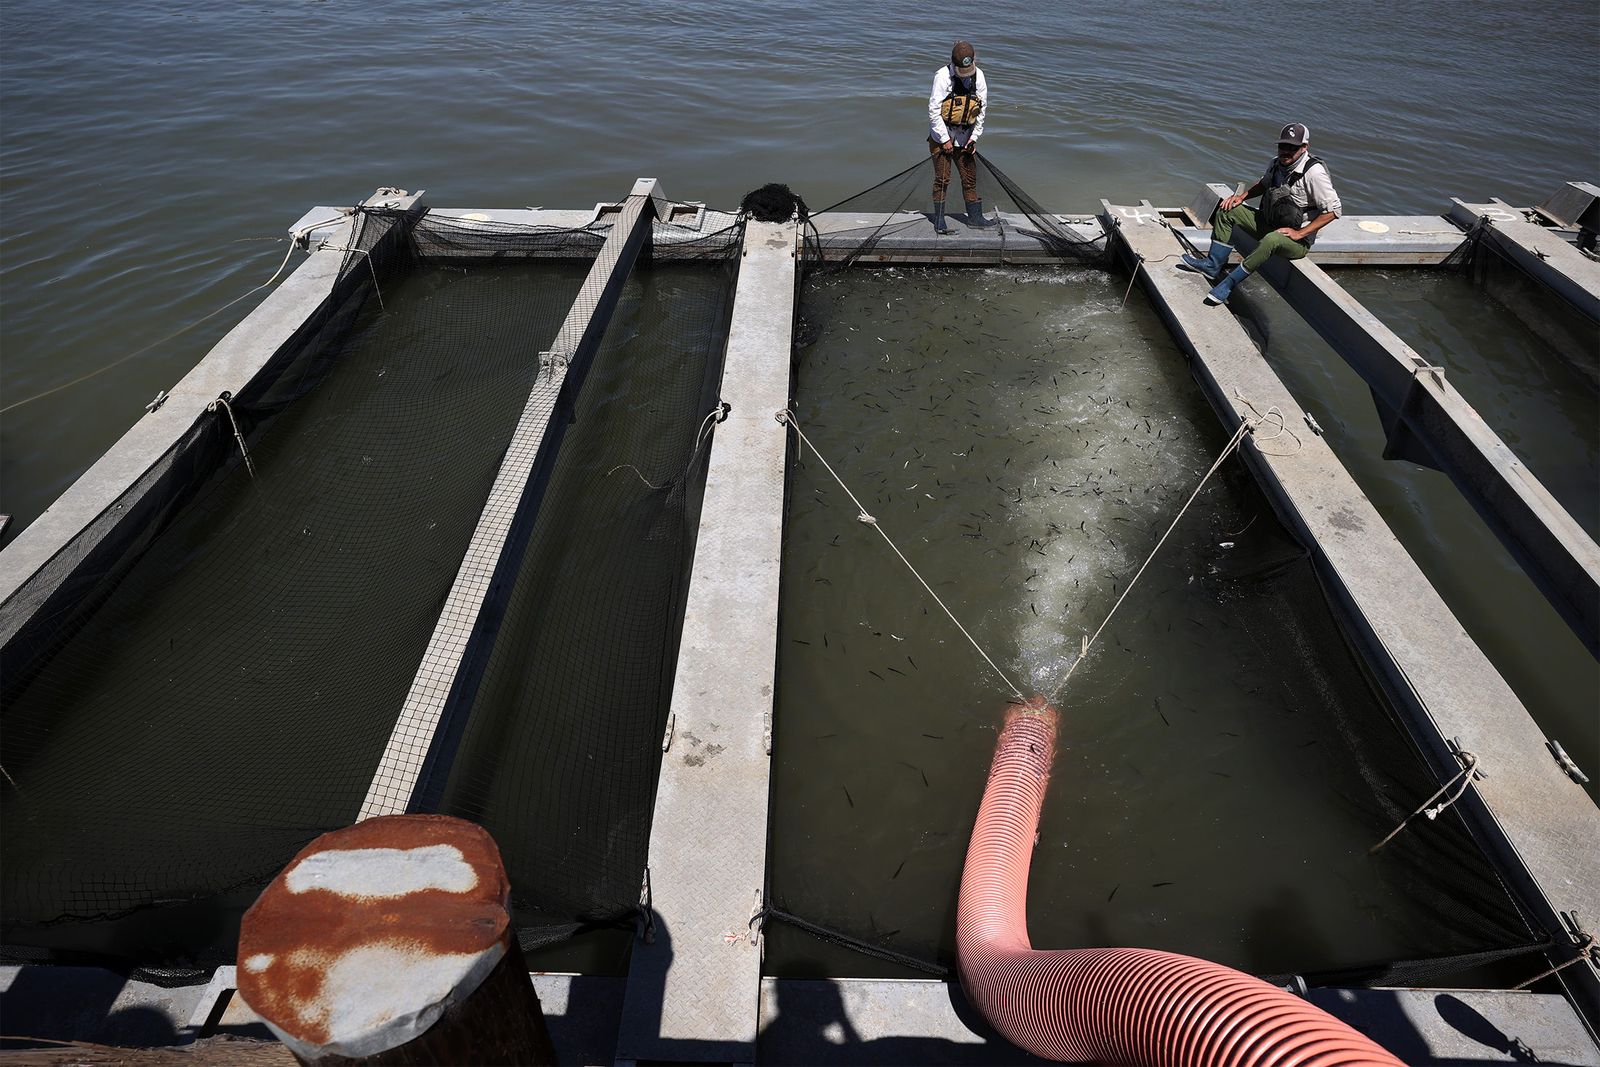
point(893, 222)
point(560, 757)
point(217, 689)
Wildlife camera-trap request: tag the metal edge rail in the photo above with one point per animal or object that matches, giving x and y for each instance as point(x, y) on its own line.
point(1542, 253)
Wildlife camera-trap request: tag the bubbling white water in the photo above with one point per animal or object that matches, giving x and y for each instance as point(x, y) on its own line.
point(1109, 463)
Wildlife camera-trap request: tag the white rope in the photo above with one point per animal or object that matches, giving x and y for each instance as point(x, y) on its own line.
point(714, 416)
point(1266, 417)
point(176, 333)
point(1138, 261)
point(787, 417)
point(1245, 426)
point(1586, 950)
point(1469, 763)
point(374, 270)
point(237, 436)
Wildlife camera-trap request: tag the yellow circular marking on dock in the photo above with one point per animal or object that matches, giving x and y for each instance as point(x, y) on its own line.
point(478, 216)
point(1373, 227)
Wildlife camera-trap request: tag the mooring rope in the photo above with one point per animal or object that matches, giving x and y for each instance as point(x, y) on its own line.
point(713, 417)
point(1586, 949)
point(370, 267)
point(179, 332)
point(787, 417)
point(844, 940)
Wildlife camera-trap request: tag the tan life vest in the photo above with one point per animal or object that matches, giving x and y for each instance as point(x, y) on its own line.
point(961, 109)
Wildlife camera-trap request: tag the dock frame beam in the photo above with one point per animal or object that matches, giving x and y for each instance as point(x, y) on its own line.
point(415, 766)
point(694, 983)
point(1522, 809)
point(1428, 422)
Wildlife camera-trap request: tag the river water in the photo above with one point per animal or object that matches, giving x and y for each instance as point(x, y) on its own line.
point(153, 154)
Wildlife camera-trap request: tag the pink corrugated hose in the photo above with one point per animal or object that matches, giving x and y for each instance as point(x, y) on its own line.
point(1110, 1005)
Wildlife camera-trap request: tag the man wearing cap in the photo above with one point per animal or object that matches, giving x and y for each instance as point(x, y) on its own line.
point(956, 106)
point(1297, 200)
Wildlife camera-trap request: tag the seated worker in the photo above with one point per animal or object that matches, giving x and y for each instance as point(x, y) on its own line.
point(1297, 200)
point(955, 120)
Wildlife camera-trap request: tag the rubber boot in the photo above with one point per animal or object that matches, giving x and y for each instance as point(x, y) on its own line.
point(975, 214)
point(1212, 266)
point(1224, 288)
point(939, 225)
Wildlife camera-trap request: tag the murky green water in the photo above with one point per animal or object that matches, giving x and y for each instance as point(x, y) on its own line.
point(1223, 764)
point(1544, 407)
point(230, 699)
point(1540, 393)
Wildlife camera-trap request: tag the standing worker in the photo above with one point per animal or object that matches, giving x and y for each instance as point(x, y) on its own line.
point(955, 119)
point(1297, 200)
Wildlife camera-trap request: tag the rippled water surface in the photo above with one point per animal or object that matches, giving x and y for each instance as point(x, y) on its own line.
point(152, 154)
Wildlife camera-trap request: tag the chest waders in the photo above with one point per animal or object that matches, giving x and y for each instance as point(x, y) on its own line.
point(1277, 210)
point(961, 108)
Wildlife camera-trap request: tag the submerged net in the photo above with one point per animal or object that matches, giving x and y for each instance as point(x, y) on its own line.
point(216, 688)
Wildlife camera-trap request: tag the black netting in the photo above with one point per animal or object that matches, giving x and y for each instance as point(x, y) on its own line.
point(214, 689)
point(449, 238)
point(774, 202)
point(1465, 258)
point(893, 222)
point(561, 754)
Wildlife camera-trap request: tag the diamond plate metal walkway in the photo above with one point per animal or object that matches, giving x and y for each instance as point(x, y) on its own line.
point(694, 986)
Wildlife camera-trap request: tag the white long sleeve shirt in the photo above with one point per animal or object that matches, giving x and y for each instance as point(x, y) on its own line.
point(943, 79)
point(1316, 187)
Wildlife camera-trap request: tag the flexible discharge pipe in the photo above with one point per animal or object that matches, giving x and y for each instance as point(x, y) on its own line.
point(1110, 1005)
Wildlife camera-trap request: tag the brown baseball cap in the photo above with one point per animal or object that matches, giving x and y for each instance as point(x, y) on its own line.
point(1294, 133)
point(964, 57)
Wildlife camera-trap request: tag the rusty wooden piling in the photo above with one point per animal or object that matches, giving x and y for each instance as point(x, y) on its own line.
point(390, 942)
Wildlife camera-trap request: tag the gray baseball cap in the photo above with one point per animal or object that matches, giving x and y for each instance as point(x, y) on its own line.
point(1294, 133)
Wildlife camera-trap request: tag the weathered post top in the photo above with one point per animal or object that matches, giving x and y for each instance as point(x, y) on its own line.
point(375, 933)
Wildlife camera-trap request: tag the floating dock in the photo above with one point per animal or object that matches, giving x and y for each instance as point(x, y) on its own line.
point(694, 991)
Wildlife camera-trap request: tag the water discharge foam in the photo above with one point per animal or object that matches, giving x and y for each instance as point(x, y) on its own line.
point(1110, 465)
